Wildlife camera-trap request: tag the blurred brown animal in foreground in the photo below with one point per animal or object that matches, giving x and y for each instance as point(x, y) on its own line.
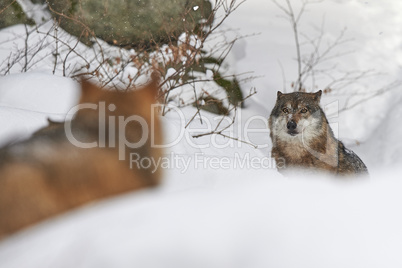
point(47, 174)
point(51, 126)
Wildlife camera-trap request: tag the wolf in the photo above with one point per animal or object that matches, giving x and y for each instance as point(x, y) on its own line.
point(47, 175)
point(302, 138)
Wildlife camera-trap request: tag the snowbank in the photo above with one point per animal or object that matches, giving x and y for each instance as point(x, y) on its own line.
point(27, 100)
point(243, 222)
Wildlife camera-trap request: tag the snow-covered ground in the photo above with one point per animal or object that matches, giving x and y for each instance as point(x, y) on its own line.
point(222, 203)
point(258, 222)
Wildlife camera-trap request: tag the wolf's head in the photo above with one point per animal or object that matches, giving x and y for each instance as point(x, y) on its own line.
point(126, 120)
point(296, 115)
point(117, 102)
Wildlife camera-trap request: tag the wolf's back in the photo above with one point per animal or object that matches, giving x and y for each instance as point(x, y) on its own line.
point(45, 176)
point(350, 162)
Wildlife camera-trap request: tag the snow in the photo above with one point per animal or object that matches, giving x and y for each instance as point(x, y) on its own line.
point(27, 100)
point(37, 12)
point(222, 203)
point(39, 92)
point(253, 222)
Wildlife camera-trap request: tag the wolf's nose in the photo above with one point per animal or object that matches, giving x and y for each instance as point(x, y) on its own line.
point(292, 125)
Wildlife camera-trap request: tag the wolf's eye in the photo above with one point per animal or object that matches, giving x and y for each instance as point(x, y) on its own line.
point(304, 110)
point(285, 110)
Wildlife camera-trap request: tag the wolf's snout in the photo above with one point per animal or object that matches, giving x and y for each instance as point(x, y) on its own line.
point(292, 125)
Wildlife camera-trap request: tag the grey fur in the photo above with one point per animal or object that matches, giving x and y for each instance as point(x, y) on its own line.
point(302, 137)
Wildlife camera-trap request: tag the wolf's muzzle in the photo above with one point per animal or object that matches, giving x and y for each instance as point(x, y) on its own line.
point(292, 128)
point(292, 125)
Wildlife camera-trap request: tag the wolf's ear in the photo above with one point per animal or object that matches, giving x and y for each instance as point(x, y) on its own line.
point(149, 92)
point(279, 94)
point(317, 95)
point(50, 121)
point(153, 85)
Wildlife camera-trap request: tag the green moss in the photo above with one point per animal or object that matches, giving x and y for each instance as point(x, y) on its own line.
point(212, 60)
point(13, 14)
point(132, 23)
point(73, 8)
point(232, 88)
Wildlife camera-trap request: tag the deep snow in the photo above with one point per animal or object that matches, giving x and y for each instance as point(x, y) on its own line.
point(254, 222)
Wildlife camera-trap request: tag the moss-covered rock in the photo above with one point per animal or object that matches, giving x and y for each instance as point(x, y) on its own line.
point(131, 23)
point(12, 14)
